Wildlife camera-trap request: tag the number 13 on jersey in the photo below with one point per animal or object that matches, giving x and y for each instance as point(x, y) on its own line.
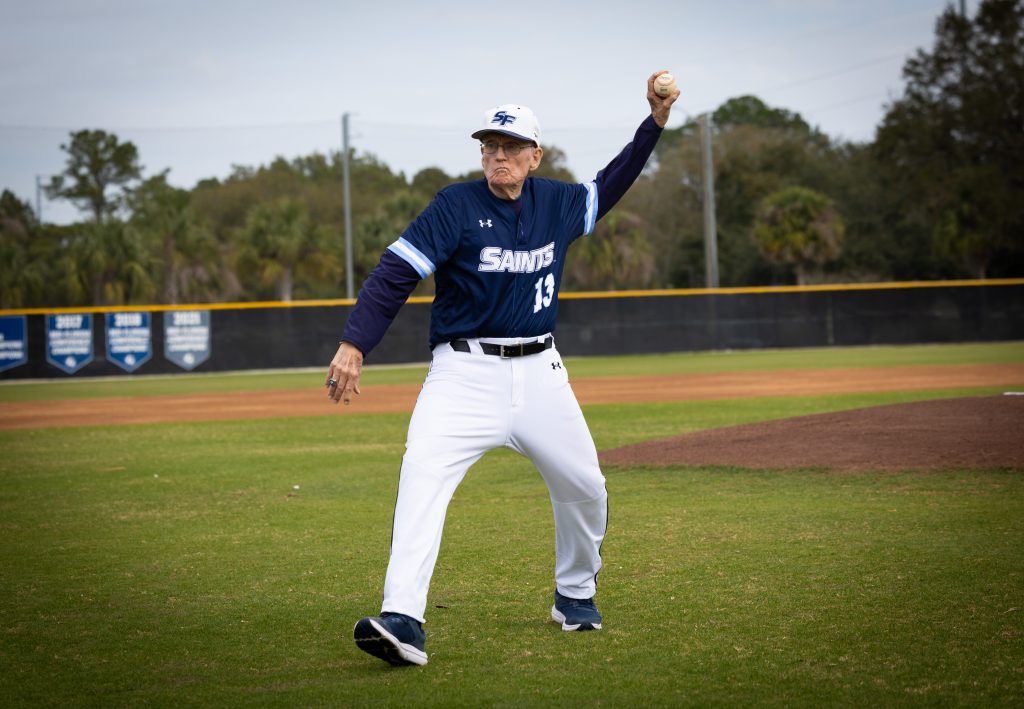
point(545, 288)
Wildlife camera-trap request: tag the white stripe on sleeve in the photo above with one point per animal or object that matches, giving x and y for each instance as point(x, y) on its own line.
point(412, 256)
point(590, 216)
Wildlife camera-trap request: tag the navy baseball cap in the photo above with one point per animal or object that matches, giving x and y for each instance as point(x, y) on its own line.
point(512, 120)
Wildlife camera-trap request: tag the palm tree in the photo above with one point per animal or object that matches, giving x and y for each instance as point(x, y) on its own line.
point(282, 246)
point(184, 251)
point(798, 226)
point(112, 264)
point(617, 255)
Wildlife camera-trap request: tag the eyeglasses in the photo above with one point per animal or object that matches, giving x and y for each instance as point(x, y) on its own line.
point(490, 147)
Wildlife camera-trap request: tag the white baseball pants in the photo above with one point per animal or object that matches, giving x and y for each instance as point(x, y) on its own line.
point(472, 403)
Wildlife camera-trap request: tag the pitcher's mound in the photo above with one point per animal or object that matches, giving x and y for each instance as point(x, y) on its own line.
point(976, 432)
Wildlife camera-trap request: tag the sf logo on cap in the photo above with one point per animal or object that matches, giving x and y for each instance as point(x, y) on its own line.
point(502, 118)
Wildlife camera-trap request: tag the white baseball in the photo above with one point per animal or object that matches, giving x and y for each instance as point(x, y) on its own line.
point(664, 85)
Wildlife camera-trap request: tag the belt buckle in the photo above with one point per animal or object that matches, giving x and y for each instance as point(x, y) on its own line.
point(508, 351)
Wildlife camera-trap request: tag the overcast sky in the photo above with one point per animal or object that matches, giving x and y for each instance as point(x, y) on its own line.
point(201, 85)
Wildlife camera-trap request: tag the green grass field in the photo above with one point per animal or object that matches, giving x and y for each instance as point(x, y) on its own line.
point(177, 565)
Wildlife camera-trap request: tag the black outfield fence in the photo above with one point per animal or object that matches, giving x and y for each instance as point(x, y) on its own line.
point(127, 340)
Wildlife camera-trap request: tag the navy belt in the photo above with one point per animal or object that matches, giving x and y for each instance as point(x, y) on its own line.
point(520, 350)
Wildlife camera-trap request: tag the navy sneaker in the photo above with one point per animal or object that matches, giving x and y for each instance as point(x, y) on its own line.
point(392, 637)
point(575, 613)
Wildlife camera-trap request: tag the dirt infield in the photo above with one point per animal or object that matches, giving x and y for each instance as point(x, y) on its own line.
point(880, 437)
point(973, 432)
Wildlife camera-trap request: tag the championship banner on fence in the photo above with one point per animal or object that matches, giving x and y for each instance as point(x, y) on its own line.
point(129, 340)
point(187, 337)
point(13, 341)
point(69, 341)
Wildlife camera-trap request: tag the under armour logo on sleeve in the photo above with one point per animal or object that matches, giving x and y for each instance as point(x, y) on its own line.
point(485, 222)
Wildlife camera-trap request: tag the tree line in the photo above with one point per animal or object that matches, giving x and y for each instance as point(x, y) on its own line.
point(938, 194)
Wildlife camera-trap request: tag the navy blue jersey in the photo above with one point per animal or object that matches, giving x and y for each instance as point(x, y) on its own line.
point(497, 268)
point(497, 264)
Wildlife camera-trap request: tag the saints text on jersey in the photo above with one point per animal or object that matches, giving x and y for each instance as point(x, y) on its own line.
point(495, 258)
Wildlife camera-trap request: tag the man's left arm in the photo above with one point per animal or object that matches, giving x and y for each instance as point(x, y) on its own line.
point(617, 177)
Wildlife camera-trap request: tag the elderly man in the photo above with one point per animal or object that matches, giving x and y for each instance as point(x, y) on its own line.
point(496, 248)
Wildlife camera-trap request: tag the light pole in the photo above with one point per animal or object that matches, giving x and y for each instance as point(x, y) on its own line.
point(349, 290)
point(710, 227)
point(39, 201)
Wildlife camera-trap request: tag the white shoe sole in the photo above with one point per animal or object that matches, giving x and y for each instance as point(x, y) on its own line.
point(559, 617)
point(372, 637)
